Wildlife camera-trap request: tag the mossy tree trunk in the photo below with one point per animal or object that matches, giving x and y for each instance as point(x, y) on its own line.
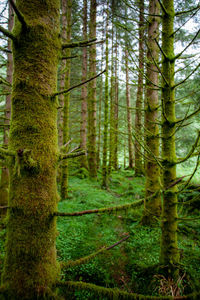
point(4, 185)
point(83, 131)
point(64, 167)
point(30, 267)
point(92, 157)
point(152, 207)
point(105, 134)
point(116, 112)
point(129, 115)
point(112, 80)
point(169, 248)
point(139, 169)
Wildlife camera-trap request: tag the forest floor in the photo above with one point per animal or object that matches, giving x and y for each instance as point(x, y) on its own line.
point(131, 266)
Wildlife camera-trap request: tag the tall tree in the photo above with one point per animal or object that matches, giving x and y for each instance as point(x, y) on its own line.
point(169, 247)
point(5, 172)
point(139, 101)
point(92, 158)
point(64, 170)
point(105, 134)
point(152, 206)
point(83, 131)
point(30, 267)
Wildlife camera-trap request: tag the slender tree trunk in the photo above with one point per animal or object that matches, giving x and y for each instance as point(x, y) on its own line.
point(169, 248)
point(30, 266)
point(152, 206)
point(100, 108)
point(64, 170)
point(116, 99)
point(129, 116)
point(83, 132)
point(92, 157)
point(4, 185)
point(105, 134)
point(112, 80)
point(139, 170)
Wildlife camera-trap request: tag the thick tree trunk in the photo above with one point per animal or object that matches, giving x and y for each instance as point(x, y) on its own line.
point(116, 99)
point(105, 134)
point(129, 115)
point(169, 248)
point(92, 157)
point(152, 206)
point(4, 185)
point(64, 170)
point(139, 170)
point(83, 131)
point(30, 267)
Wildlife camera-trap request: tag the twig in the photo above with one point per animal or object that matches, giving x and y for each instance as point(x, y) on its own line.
point(75, 86)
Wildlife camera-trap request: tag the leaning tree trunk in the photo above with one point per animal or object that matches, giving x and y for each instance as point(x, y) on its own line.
point(30, 267)
point(169, 248)
point(4, 185)
point(139, 101)
point(92, 157)
point(152, 206)
point(64, 167)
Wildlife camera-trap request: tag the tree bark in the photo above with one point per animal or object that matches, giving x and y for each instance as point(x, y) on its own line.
point(152, 207)
point(4, 185)
point(64, 169)
point(30, 267)
point(83, 131)
point(169, 247)
point(139, 170)
point(92, 157)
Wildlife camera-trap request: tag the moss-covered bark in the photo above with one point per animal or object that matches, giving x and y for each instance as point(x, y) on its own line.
point(4, 185)
point(139, 170)
point(152, 207)
point(92, 160)
point(64, 170)
point(83, 130)
point(169, 248)
point(30, 267)
point(105, 134)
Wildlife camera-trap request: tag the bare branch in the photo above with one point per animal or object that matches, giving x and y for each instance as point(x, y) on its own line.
point(186, 78)
point(191, 151)
point(5, 50)
point(162, 7)
point(78, 44)
point(7, 33)
point(71, 155)
point(178, 13)
point(69, 57)
point(18, 13)
point(86, 259)
point(77, 85)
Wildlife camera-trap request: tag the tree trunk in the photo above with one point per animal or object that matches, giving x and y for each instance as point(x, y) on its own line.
point(92, 157)
point(30, 267)
point(83, 132)
point(105, 134)
point(152, 207)
point(129, 116)
point(64, 170)
point(4, 185)
point(116, 99)
point(169, 248)
point(139, 170)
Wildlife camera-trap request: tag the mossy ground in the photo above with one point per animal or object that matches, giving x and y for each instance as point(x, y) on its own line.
point(131, 266)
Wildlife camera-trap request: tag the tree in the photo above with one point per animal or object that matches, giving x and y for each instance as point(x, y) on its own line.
point(30, 267)
point(152, 208)
point(5, 172)
point(138, 115)
point(92, 159)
